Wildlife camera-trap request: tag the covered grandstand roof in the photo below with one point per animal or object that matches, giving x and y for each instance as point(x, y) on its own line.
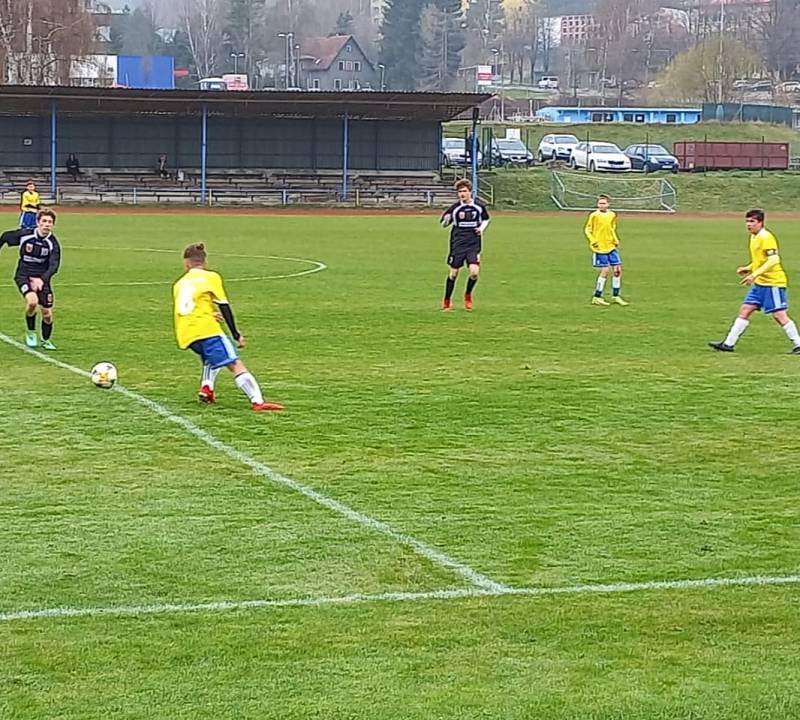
point(362, 105)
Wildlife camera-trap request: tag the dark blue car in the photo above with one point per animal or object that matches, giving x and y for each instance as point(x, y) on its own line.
point(651, 158)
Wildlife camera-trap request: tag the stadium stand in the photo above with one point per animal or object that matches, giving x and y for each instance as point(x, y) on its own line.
point(265, 148)
point(233, 187)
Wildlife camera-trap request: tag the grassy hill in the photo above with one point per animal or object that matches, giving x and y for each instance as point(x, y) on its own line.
point(624, 134)
point(713, 192)
point(697, 192)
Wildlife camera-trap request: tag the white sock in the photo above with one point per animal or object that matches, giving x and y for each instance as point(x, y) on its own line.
point(791, 332)
point(248, 385)
point(209, 376)
point(738, 327)
point(601, 284)
point(616, 282)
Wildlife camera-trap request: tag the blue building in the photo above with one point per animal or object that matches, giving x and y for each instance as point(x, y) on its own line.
point(643, 115)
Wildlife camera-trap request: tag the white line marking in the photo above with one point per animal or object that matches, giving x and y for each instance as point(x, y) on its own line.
point(395, 597)
point(317, 266)
point(435, 556)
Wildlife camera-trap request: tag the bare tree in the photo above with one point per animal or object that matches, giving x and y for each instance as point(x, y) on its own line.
point(779, 32)
point(201, 20)
point(40, 38)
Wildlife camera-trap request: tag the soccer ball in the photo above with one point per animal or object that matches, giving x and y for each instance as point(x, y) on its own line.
point(104, 375)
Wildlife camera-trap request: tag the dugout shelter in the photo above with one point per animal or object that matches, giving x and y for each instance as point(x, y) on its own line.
point(119, 128)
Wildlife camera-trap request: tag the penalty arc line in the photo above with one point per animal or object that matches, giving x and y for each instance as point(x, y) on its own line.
point(395, 597)
point(266, 472)
point(317, 266)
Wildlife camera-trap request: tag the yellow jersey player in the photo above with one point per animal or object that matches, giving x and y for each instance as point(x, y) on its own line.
point(29, 206)
point(601, 232)
point(767, 281)
point(200, 303)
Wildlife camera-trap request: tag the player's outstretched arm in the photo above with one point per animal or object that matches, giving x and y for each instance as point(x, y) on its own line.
point(446, 218)
point(227, 315)
point(12, 238)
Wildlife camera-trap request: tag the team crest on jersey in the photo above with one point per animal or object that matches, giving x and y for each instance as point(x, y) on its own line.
point(28, 247)
point(462, 215)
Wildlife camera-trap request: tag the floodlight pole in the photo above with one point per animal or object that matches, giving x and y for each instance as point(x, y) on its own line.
point(288, 36)
point(203, 154)
point(475, 115)
point(53, 150)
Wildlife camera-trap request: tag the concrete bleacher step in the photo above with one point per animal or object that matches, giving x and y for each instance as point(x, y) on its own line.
point(230, 187)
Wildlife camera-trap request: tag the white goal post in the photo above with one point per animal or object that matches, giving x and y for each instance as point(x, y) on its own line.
point(579, 191)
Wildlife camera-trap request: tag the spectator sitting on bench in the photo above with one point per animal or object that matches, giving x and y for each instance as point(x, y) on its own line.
point(73, 167)
point(162, 167)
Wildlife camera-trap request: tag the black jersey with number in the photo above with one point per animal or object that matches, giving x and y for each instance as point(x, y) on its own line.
point(466, 218)
point(38, 256)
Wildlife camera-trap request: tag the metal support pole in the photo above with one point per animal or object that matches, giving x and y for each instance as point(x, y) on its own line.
point(475, 115)
point(53, 149)
point(345, 155)
point(203, 154)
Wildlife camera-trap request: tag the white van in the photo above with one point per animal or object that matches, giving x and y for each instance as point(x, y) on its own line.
point(213, 83)
point(548, 82)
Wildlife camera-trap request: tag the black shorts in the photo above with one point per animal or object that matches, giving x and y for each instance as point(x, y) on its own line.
point(462, 256)
point(45, 295)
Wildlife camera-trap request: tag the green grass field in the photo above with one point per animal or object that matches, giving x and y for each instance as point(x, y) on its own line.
point(544, 446)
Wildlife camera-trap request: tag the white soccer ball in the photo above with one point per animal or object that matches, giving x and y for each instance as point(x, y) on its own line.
point(104, 375)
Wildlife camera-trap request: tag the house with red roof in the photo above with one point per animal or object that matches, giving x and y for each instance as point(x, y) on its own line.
point(336, 63)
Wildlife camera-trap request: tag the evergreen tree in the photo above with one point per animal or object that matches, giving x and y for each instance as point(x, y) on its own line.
point(180, 50)
point(344, 24)
point(139, 34)
point(399, 43)
point(456, 38)
point(441, 44)
point(487, 18)
point(245, 31)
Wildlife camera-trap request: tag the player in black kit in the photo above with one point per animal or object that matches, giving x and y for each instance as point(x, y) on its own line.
point(39, 260)
point(469, 219)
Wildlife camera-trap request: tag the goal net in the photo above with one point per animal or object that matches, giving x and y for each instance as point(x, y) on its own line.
point(579, 191)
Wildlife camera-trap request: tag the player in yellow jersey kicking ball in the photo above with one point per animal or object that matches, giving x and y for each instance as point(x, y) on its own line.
point(200, 304)
point(601, 232)
point(767, 281)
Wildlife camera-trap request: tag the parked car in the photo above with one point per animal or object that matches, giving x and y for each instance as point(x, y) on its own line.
point(510, 151)
point(454, 152)
point(651, 158)
point(556, 147)
point(213, 83)
point(548, 82)
point(599, 156)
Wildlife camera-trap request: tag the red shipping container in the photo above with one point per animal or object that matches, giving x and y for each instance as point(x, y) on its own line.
point(694, 156)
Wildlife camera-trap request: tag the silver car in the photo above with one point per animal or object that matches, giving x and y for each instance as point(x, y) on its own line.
point(556, 147)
